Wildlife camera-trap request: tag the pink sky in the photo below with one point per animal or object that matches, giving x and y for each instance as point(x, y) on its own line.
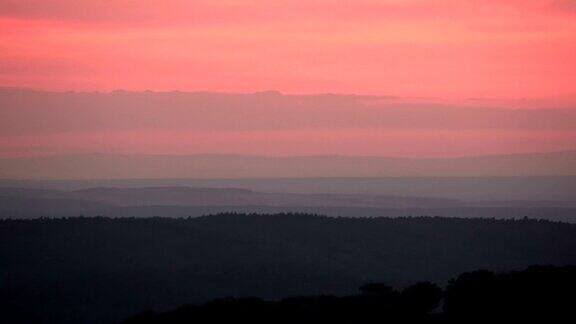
point(40, 123)
point(439, 48)
point(465, 54)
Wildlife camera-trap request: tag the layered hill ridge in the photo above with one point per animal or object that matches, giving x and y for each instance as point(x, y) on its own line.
point(184, 201)
point(206, 166)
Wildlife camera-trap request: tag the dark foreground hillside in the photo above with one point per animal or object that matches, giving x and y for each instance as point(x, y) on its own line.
point(85, 270)
point(540, 294)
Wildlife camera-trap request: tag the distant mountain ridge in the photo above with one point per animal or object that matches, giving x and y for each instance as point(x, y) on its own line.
point(181, 201)
point(196, 196)
point(206, 166)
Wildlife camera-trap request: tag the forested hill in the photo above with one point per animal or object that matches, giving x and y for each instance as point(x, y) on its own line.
point(539, 294)
point(80, 269)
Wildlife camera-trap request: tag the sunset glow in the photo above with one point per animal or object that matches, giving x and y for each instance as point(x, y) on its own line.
point(442, 48)
point(458, 54)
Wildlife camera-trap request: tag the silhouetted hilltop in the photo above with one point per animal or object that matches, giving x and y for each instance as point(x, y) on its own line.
point(82, 269)
point(539, 293)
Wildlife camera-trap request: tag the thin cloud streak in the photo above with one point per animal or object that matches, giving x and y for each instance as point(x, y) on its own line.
point(269, 123)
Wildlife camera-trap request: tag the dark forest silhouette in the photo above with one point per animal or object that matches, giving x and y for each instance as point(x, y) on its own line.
point(98, 270)
point(542, 293)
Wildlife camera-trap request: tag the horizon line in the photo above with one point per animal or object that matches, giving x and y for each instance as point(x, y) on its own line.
point(337, 155)
point(382, 95)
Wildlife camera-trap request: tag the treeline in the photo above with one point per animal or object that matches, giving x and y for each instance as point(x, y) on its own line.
point(538, 294)
point(101, 270)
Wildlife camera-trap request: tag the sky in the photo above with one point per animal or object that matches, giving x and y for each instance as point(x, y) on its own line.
point(460, 54)
point(439, 48)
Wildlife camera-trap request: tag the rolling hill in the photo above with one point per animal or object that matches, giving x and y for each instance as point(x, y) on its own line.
point(90, 270)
